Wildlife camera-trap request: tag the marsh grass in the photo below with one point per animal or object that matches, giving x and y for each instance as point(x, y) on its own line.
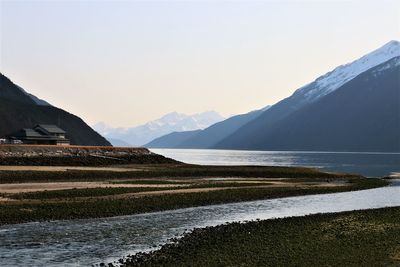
point(94, 207)
point(107, 191)
point(173, 171)
point(81, 192)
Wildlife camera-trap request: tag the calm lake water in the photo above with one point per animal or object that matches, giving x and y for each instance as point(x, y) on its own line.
point(87, 242)
point(368, 164)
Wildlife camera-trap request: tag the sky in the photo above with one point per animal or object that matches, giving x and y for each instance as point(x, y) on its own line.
point(128, 62)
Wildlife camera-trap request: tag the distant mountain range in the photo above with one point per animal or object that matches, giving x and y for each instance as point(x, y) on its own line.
point(171, 122)
point(208, 137)
point(20, 109)
point(355, 107)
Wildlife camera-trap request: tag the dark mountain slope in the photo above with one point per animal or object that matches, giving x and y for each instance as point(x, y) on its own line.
point(217, 132)
point(172, 140)
point(238, 139)
point(9, 91)
point(361, 115)
point(18, 110)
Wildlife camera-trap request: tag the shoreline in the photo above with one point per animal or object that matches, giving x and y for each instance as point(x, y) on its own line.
point(73, 155)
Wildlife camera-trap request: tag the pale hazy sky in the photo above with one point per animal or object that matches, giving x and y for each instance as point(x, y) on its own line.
point(127, 62)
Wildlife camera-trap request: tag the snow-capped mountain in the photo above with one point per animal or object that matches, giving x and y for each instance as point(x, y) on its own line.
point(254, 135)
point(361, 115)
point(203, 139)
point(344, 73)
point(181, 122)
point(171, 122)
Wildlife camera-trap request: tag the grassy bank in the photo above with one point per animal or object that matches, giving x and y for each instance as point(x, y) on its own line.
point(358, 238)
point(63, 204)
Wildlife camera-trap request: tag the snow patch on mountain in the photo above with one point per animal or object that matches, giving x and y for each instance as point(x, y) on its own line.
point(344, 73)
point(391, 64)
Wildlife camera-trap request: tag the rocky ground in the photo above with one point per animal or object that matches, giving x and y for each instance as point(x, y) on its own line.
point(355, 238)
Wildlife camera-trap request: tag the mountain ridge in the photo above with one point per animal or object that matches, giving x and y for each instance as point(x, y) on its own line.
point(240, 139)
point(352, 118)
point(18, 109)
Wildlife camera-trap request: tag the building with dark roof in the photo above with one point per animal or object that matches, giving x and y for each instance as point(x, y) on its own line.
point(52, 130)
point(41, 134)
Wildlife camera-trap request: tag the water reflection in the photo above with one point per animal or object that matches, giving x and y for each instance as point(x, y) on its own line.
point(368, 164)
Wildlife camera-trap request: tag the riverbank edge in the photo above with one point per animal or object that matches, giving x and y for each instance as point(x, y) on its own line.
point(201, 245)
point(24, 213)
point(74, 155)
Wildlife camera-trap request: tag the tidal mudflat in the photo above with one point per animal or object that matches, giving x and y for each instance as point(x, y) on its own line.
point(75, 194)
point(85, 242)
point(63, 194)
